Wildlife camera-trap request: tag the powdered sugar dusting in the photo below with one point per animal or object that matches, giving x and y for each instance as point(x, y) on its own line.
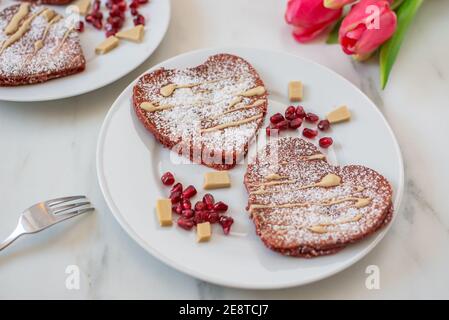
point(21, 60)
point(219, 81)
point(289, 228)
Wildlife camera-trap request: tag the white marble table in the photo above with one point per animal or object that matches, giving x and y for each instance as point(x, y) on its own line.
point(48, 150)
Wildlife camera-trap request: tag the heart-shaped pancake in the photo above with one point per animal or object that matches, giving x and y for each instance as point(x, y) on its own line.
point(36, 45)
point(209, 113)
point(303, 206)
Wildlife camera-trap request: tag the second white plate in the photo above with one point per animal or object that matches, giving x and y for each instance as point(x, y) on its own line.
point(100, 70)
point(130, 163)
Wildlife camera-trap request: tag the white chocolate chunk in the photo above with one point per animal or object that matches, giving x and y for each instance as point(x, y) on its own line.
point(216, 180)
point(338, 115)
point(134, 34)
point(295, 90)
point(107, 45)
point(164, 212)
point(83, 6)
point(203, 232)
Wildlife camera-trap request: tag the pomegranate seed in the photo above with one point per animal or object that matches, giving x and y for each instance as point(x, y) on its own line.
point(189, 192)
point(142, 1)
point(110, 33)
point(139, 20)
point(312, 117)
point(220, 206)
point(272, 131)
point(186, 204)
point(116, 22)
point(134, 12)
point(309, 133)
point(325, 142)
point(134, 4)
point(188, 214)
point(115, 11)
point(79, 26)
point(324, 125)
point(213, 217)
point(109, 5)
point(177, 208)
point(200, 216)
point(186, 224)
point(96, 6)
point(209, 200)
point(175, 197)
point(282, 125)
point(290, 113)
point(300, 112)
point(295, 123)
point(200, 206)
point(122, 6)
point(90, 18)
point(98, 15)
point(97, 24)
point(226, 223)
point(176, 187)
point(268, 131)
point(276, 118)
point(167, 178)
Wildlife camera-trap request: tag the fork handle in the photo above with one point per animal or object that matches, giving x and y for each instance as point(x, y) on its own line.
point(12, 237)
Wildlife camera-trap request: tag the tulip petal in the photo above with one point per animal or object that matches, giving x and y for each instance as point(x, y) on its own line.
point(371, 39)
point(309, 18)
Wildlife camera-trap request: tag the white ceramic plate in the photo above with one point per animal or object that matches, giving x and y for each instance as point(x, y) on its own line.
point(100, 70)
point(130, 163)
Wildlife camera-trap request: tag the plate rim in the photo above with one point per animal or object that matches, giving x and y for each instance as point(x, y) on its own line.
point(210, 278)
point(135, 65)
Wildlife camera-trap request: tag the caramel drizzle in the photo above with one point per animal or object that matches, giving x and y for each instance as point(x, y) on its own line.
point(148, 106)
point(321, 227)
point(167, 90)
point(273, 176)
point(257, 91)
point(318, 156)
point(359, 203)
point(232, 124)
point(40, 43)
point(329, 180)
point(255, 104)
point(14, 24)
point(64, 38)
point(235, 101)
point(24, 27)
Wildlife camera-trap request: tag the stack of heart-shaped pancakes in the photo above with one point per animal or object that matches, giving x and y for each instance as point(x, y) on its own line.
point(303, 206)
point(209, 113)
point(36, 45)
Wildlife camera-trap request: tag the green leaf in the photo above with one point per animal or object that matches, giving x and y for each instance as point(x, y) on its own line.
point(396, 4)
point(332, 38)
point(390, 49)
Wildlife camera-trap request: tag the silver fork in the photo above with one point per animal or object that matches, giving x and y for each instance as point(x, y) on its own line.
point(46, 214)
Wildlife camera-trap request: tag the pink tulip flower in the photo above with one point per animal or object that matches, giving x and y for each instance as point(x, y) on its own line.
point(337, 4)
point(369, 24)
point(309, 18)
